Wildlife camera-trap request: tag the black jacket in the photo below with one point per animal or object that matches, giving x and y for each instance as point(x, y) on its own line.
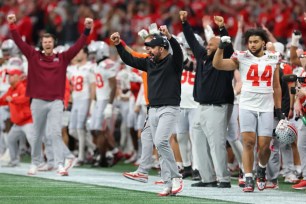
point(164, 77)
point(211, 86)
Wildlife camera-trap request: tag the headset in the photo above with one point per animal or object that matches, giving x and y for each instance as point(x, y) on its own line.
point(47, 35)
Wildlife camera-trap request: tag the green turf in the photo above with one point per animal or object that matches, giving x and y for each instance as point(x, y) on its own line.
point(22, 189)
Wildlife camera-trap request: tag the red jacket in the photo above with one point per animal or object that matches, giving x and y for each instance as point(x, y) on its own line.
point(46, 74)
point(19, 105)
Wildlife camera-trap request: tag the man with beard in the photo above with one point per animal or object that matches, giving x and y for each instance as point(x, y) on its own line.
point(260, 92)
point(213, 90)
point(164, 76)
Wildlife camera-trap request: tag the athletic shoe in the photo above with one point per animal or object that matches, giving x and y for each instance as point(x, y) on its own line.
point(224, 185)
point(177, 185)
point(159, 182)
point(272, 184)
point(61, 171)
point(291, 178)
point(300, 186)
point(196, 175)
point(249, 185)
point(33, 170)
point(117, 157)
point(241, 180)
point(69, 163)
point(44, 167)
point(165, 192)
point(202, 184)
point(186, 173)
point(137, 176)
point(261, 178)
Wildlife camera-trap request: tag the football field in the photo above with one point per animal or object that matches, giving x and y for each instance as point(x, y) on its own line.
point(86, 185)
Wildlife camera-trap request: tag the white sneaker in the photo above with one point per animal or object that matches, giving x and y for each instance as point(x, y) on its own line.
point(44, 167)
point(61, 171)
point(272, 185)
point(291, 178)
point(33, 170)
point(69, 163)
point(177, 185)
point(137, 176)
point(165, 192)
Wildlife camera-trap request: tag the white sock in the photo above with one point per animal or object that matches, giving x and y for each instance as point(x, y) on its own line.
point(248, 175)
point(262, 166)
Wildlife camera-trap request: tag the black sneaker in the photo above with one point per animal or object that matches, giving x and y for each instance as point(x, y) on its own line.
point(224, 185)
point(202, 184)
point(261, 178)
point(249, 184)
point(187, 172)
point(196, 175)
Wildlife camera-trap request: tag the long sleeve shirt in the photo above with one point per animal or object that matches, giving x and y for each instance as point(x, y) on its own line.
point(211, 86)
point(47, 74)
point(164, 77)
point(19, 105)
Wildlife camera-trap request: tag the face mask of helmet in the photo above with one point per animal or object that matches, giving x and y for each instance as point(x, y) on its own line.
point(285, 132)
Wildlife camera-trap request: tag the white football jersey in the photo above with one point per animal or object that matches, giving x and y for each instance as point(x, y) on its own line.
point(81, 76)
point(103, 71)
point(187, 84)
point(257, 79)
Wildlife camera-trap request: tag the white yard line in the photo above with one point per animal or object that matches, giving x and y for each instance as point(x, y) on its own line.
point(111, 179)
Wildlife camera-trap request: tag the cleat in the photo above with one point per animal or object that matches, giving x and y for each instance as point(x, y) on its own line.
point(159, 182)
point(177, 186)
point(224, 185)
point(165, 192)
point(44, 167)
point(272, 184)
point(261, 178)
point(249, 185)
point(300, 186)
point(196, 175)
point(241, 180)
point(136, 176)
point(61, 171)
point(69, 163)
point(291, 178)
point(33, 170)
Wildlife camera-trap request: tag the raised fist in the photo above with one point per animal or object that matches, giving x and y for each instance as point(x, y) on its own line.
point(224, 41)
point(88, 23)
point(296, 35)
point(164, 30)
point(219, 20)
point(183, 15)
point(115, 38)
point(11, 18)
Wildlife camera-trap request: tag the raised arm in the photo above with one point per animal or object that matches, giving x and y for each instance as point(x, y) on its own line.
point(177, 51)
point(219, 62)
point(228, 50)
point(26, 49)
point(198, 50)
point(80, 43)
point(126, 57)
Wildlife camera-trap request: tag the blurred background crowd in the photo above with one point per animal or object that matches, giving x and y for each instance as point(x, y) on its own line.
point(65, 18)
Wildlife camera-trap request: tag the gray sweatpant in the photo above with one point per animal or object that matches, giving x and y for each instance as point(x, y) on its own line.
point(14, 135)
point(210, 130)
point(47, 112)
point(162, 123)
point(146, 159)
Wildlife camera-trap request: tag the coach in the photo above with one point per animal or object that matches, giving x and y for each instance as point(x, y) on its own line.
point(164, 76)
point(46, 87)
point(213, 90)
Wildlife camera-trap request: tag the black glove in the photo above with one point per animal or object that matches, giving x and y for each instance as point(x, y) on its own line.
point(224, 41)
point(279, 114)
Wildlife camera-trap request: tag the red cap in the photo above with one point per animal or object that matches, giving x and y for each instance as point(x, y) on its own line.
point(14, 71)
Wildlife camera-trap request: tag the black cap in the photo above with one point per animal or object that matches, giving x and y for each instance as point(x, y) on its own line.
point(158, 40)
